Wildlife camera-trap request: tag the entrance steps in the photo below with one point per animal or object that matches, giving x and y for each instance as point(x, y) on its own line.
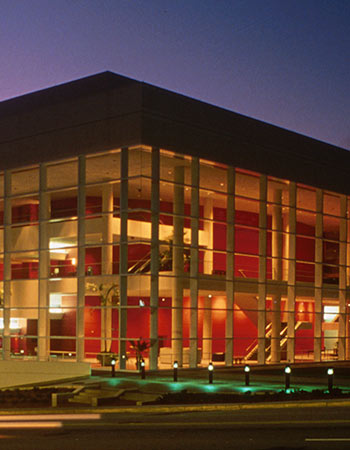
point(93, 396)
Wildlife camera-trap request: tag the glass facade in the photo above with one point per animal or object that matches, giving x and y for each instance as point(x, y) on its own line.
point(145, 253)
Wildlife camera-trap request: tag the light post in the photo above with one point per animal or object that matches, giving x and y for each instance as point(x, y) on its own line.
point(175, 366)
point(143, 370)
point(247, 375)
point(330, 373)
point(287, 372)
point(113, 362)
point(210, 372)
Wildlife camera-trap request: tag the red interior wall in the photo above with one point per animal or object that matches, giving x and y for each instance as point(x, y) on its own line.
point(65, 326)
point(92, 324)
point(66, 207)
point(244, 331)
point(246, 241)
point(93, 257)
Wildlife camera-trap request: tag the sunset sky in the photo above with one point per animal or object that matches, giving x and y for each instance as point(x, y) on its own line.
point(285, 62)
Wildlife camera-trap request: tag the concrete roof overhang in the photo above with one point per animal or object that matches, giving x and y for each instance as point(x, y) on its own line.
point(106, 111)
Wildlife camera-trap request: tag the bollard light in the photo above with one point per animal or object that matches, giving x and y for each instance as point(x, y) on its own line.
point(247, 374)
point(143, 370)
point(210, 372)
point(113, 362)
point(287, 372)
point(330, 373)
point(175, 366)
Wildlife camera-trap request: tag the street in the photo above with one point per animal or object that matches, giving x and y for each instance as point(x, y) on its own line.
point(253, 429)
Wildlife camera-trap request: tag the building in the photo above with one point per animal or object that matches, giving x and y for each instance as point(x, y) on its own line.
point(130, 214)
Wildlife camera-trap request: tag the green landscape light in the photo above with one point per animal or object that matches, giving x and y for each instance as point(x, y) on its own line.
point(210, 372)
point(176, 365)
point(113, 362)
point(330, 373)
point(247, 374)
point(143, 370)
point(287, 372)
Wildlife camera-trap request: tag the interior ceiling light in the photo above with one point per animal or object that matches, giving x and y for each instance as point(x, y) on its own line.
point(59, 246)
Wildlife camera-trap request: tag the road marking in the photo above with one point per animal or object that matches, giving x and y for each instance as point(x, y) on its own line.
point(8, 425)
point(221, 424)
point(46, 417)
point(327, 440)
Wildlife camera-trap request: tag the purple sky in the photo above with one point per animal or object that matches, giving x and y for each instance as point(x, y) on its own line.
point(286, 62)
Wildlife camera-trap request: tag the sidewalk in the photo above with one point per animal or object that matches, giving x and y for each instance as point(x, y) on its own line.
point(172, 409)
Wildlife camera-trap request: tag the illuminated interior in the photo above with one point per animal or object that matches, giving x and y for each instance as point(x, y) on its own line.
point(196, 261)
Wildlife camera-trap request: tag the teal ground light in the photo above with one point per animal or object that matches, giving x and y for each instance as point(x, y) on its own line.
point(219, 386)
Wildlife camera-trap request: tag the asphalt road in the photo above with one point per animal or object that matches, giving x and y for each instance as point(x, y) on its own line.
point(276, 428)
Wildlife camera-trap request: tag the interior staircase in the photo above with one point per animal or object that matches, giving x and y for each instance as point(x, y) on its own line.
point(252, 350)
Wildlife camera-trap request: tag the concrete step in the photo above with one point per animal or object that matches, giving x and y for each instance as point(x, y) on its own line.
point(93, 396)
point(140, 397)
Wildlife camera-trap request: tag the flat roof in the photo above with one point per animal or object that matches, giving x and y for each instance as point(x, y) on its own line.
point(107, 110)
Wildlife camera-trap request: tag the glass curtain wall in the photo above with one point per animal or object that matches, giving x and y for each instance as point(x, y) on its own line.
point(141, 253)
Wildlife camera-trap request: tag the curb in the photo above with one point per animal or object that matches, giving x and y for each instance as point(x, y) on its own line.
point(166, 409)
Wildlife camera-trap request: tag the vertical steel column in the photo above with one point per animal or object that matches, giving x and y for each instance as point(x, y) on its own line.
point(107, 229)
point(6, 345)
point(123, 256)
point(106, 263)
point(154, 294)
point(277, 246)
point(44, 264)
point(262, 269)
point(230, 264)
point(207, 330)
point(178, 264)
point(348, 244)
point(318, 275)
point(347, 322)
point(342, 279)
point(81, 258)
point(209, 233)
point(291, 272)
point(194, 262)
